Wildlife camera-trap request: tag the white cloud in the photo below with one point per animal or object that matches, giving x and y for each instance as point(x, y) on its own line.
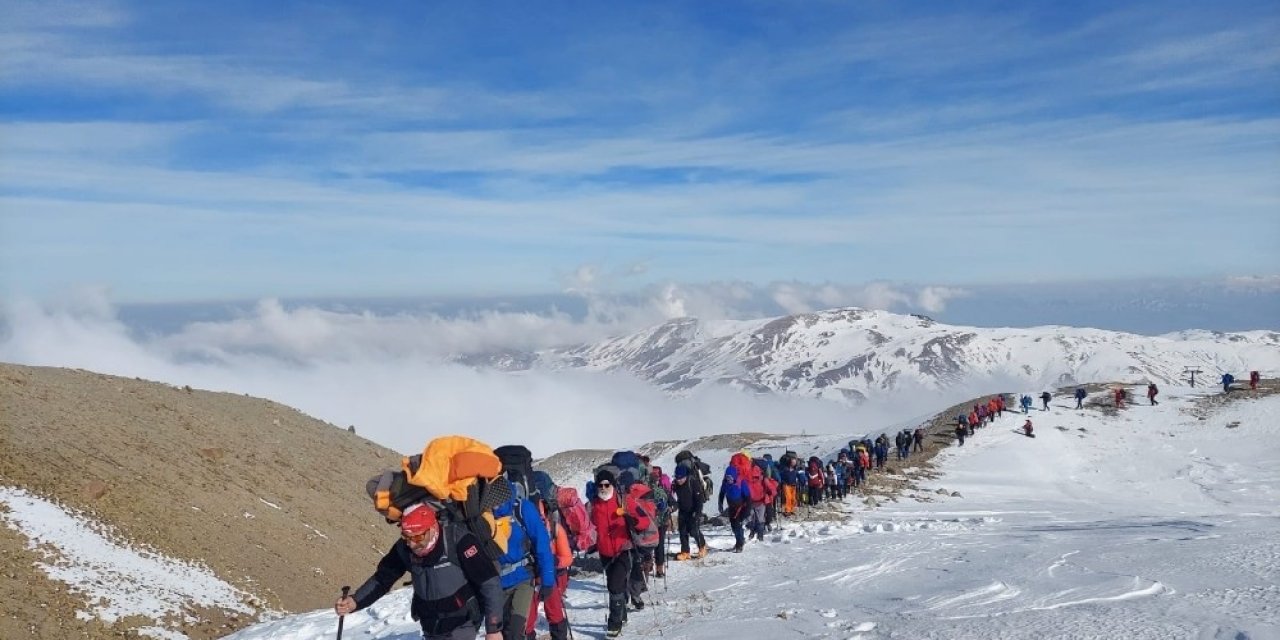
point(934, 299)
point(384, 375)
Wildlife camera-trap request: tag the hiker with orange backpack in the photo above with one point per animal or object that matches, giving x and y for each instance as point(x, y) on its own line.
point(450, 597)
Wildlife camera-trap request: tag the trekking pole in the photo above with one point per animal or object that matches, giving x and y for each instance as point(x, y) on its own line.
point(345, 591)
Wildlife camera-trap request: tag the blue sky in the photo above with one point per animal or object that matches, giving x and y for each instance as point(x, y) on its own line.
point(185, 151)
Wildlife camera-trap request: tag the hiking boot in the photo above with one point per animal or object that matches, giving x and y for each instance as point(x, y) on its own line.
point(559, 630)
point(702, 551)
point(660, 571)
point(617, 614)
point(682, 556)
point(638, 604)
point(737, 548)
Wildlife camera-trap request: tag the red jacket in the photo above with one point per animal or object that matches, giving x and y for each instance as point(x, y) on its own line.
point(611, 527)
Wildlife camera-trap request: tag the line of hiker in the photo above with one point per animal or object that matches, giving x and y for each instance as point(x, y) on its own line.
point(984, 413)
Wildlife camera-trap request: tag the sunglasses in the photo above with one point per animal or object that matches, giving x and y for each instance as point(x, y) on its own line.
point(603, 485)
point(417, 538)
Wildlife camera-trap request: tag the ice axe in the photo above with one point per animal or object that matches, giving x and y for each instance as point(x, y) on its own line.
point(341, 619)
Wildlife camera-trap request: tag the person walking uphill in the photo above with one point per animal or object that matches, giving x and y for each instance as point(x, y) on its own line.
point(456, 586)
point(614, 516)
point(1152, 391)
point(1045, 398)
point(1081, 394)
point(734, 490)
point(688, 510)
point(528, 558)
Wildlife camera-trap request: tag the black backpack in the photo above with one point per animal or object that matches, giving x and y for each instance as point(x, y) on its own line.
point(698, 470)
point(517, 466)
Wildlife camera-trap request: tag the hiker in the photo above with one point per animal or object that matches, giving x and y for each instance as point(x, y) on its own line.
point(961, 430)
point(1000, 406)
point(688, 510)
point(733, 489)
point(1227, 379)
point(1119, 394)
point(816, 481)
point(861, 463)
point(614, 516)
point(1025, 402)
point(790, 482)
point(1254, 379)
point(917, 439)
point(1045, 397)
point(759, 496)
point(1080, 396)
point(455, 584)
point(1151, 394)
point(972, 424)
point(882, 450)
point(528, 559)
point(553, 603)
point(662, 500)
point(773, 489)
point(1026, 427)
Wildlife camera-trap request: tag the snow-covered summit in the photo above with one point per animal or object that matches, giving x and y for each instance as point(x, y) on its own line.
point(853, 353)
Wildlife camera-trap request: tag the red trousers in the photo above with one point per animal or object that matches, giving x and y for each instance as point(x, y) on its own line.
point(552, 607)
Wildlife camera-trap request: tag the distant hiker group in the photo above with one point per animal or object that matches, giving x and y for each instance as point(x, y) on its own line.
point(982, 414)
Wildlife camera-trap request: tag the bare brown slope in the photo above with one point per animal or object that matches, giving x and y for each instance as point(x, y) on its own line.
point(190, 474)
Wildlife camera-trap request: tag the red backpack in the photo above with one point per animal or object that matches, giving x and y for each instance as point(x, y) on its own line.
point(756, 484)
point(815, 474)
point(639, 502)
point(576, 521)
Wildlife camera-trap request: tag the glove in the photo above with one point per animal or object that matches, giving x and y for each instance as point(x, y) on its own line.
point(545, 593)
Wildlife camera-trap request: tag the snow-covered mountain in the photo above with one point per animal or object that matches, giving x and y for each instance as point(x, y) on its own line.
point(855, 353)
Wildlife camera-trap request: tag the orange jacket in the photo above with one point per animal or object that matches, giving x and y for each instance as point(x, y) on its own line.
point(560, 540)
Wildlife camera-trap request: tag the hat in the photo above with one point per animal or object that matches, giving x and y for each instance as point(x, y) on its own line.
point(604, 475)
point(682, 472)
point(417, 520)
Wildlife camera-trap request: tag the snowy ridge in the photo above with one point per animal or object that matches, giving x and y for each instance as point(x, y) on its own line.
point(1151, 522)
point(853, 354)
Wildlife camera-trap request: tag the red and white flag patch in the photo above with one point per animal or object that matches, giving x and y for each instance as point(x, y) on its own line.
point(470, 552)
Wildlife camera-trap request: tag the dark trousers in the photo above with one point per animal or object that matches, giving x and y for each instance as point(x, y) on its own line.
point(738, 515)
point(815, 494)
point(617, 573)
point(689, 526)
point(638, 582)
point(660, 554)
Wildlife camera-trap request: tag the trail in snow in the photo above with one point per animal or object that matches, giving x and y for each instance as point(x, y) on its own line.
point(1148, 524)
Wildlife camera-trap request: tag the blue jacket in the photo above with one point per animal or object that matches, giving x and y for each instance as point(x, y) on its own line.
point(733, 490)
point(527, 530)
point(788, 475)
